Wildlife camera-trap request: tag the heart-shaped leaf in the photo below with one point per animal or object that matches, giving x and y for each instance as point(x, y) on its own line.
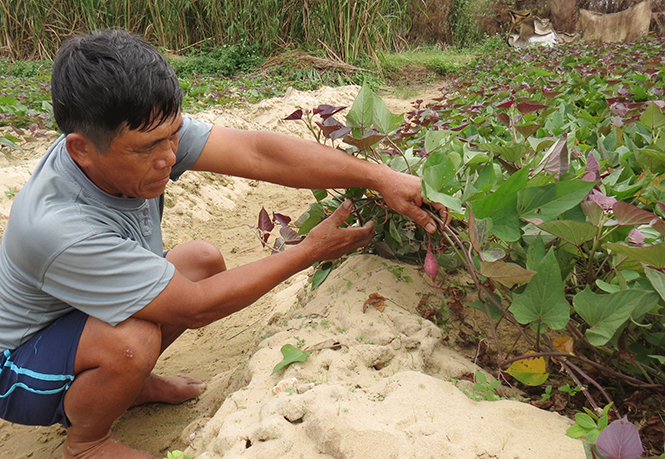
point(291, 354)
point(620, 440)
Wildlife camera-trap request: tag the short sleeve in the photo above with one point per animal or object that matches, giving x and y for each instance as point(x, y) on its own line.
point(193, 137)
point(107, 277)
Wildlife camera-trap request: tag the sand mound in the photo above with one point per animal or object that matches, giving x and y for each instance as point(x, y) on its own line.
point(377, 384)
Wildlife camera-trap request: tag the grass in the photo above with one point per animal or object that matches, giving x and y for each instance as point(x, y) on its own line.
point(233, 75)
point(433, 58)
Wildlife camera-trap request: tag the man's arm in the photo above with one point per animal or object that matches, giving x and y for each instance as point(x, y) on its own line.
point(195, 304)
point(299, 163)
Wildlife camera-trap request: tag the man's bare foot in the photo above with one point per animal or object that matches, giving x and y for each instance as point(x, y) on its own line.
point(105, 448)
point(172, 389)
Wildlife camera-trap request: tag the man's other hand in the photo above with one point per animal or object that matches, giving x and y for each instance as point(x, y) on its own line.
point(328, 241)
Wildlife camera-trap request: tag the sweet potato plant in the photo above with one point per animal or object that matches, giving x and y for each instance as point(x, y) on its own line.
point(551, 162)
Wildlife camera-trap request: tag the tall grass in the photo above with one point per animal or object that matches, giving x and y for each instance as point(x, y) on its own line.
point(464, 25)
point(34, 28)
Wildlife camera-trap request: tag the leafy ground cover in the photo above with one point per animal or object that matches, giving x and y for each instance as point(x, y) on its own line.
point(551, 162)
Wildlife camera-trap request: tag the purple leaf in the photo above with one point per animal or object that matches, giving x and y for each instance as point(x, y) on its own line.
point(265, 224)
point(605, 202)
point(340, 133)
point(526, 107)
point(281, 219)
point(592, 173)
point(628, 214)
point(506, 104)
point(325, 111)
point(297, 115)
point(504, 118)
point(329, 126)
point(458, 128)
point(556, 160)
point(549, 95)
point(620, 440)
point(289, 235)
point(369, 138)
point(617, 121)
point(636, 236)
point(528, 130)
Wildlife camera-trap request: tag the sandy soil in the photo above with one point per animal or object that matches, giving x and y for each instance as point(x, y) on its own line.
point(227, 355)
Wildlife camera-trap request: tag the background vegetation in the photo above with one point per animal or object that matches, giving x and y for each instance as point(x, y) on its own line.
point(346, 29)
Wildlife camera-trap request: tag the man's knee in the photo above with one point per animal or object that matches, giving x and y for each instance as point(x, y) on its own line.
point(140, 343)
point(133, 343)
point(197, 260)
point(210, 257)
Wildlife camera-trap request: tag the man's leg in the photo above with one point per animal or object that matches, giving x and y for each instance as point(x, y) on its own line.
point(196, 260)
point(114, 364)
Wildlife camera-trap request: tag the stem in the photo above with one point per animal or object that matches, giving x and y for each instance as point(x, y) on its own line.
point(401, 153)
point(445, 229)
point(585, 391)
point(472, 270)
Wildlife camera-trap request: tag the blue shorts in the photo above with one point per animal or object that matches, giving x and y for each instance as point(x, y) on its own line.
point(35, 377)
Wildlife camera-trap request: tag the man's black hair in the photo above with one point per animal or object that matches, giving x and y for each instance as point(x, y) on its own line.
point(109, 80)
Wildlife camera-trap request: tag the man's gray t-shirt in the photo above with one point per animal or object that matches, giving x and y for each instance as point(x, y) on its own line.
point(69, 245)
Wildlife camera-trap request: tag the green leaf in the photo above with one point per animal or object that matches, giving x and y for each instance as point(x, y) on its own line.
point(585, 421)
point(653, 255)
point(535, 254)
point(576, 431)
point(495, 312)
point(657, 279)
point(291, 354)
point(310, 218)
point(486, 178)
point(543, 299)
point(605, 314)
point(361, 114)
point(574, 232)
point(450, 202)
point(321, 274)
point(8, 143)
point(512, 153)
point(384, 120)
point(439, 173)
point(653, 117)
point(501, 206)
point(434, 139)
point(660, 358)
point(320, 195)
point(550, 201)
point(394, 232)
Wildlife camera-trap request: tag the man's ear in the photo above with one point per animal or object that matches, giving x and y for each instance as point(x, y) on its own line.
point(80, 149)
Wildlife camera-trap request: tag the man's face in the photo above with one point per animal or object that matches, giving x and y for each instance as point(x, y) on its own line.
point(138, 163)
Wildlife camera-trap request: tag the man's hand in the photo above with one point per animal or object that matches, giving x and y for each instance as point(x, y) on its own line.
point(403, 194)
point(327, 241)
